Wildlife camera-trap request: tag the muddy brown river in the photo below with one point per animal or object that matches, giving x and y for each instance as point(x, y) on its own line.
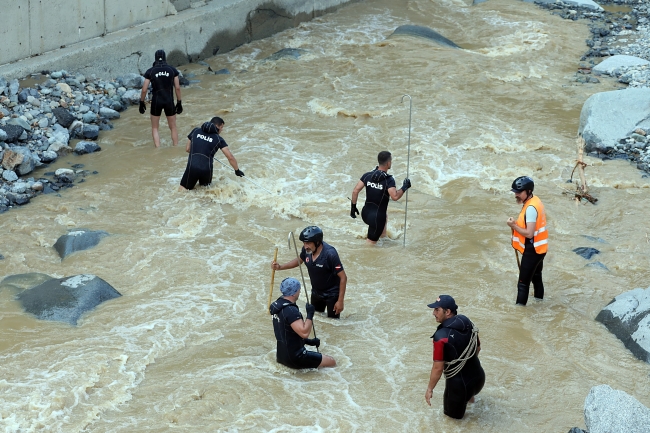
point(190, 346)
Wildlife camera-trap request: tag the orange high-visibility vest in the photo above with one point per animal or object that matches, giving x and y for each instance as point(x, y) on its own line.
point(540, 236)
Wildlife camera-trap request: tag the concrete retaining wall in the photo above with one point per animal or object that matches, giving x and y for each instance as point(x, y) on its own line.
point(112, 37)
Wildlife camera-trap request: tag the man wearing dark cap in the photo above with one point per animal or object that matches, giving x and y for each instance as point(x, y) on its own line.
point(202, 144)
point(455, 353)
point(380, 188)
point(164, 81)
point(291, 331)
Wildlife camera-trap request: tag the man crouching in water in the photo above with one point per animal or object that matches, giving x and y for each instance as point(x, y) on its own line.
point(291, 331)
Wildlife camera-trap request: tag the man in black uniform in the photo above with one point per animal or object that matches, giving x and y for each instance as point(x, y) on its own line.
point(326, 273)
point(455, 352)
point(164, 81)
point(291, 331)
point(202, 144)
point(380, 186)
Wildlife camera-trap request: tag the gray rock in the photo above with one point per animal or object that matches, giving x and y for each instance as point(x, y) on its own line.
point(43, 122)
point(13, 87)
point(577, 430)
point(20, 122)
point(607, 117)
point(60, 134)
point(84, 147)
point(586, 252)
point(57, 74)
point(222, 72)
point(83, 108)
point(628, 317)
point(29, 162)
point(131, 97)
point(78, 240)
point(3, 85)
point(3, 135)
point(49, 156)
point(90, 132)
point(89, 117)
point(19, 187)
point(609, 410)
point(285, 53)
point(131, 81)
point(611, 64)
point(9, 176)
point(66, 299)
point(20, 282)
point(425, 33)
point(22, 96)
point(13, 132)
point(18, 199)
point(597, 265)
point(57, 147)
point(63, 116)
point(108, 113)
point(65, 175)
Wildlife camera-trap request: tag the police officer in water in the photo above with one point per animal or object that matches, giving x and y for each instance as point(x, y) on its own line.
point(380, 187)
point(326, 273)
point(164, 80)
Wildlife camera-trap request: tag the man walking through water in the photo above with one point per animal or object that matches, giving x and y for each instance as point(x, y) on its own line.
point(380, 186)
point(202, 144)
point(326, 273)
point(530, 238)
point(291, 331)
point(164, 81)
point(455, 353)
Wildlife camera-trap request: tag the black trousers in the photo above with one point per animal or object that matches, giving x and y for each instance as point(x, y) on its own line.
point(532, 265)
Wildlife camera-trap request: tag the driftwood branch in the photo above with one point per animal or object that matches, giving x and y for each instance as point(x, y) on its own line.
point(582, 190)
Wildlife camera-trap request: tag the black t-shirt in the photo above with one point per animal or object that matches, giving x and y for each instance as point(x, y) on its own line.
point(289, 344)
point(323, 272)
point(162, 82)
point(377, 183)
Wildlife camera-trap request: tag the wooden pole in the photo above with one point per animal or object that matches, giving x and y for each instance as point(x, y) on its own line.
point(275, 259)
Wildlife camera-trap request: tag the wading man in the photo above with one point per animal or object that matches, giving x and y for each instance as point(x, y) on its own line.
point(530, 238)
point(326, 273)
point(291, 331)
point(380, 186)
point(455, 353)
point(164, 81)
point(202, 144)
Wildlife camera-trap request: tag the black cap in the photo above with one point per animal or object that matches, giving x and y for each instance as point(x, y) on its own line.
point(445, 302)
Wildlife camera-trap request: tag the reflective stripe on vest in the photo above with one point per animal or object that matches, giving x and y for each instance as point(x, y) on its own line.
point(540, 236)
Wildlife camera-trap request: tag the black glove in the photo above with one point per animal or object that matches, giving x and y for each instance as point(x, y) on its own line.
point(353, 210)
point(310, 311)
point(239, 173)
point(143, 107)
point(179, 107)
point(312, 342)
point(406, 184)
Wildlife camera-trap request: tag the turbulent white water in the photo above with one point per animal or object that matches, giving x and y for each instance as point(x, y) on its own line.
point(190, 347)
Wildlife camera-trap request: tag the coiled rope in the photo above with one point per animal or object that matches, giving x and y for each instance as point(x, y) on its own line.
point(452, 368)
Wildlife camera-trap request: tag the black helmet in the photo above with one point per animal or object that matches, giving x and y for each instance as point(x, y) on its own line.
point(160, 57)
point(523, 183)
point(312, 234)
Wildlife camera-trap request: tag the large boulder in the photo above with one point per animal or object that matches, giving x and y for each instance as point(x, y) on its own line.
point(628, 317)
point(60, 134)
point(131, 96)
point(108, 113)
point(611, 411)
point(131, 81)
point(66, 299)
point(78, 240)
point(613, 64)
point(28, 161)
point(608, 117)
point(424, 33)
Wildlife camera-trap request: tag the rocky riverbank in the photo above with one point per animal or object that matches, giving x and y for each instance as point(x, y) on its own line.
point(38, 122)
point(619, 49)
